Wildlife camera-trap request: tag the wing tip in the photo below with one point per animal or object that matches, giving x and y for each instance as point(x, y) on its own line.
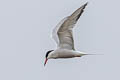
point(85, 5)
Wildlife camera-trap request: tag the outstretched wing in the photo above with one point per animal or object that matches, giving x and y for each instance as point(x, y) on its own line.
point(63, 33)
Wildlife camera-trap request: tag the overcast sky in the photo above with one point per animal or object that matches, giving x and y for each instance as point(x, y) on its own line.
point(25, 28)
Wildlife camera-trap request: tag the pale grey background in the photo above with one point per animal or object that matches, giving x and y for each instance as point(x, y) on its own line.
point(25, 28)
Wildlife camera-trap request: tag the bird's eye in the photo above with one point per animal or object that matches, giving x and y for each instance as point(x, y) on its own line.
point(48, 53)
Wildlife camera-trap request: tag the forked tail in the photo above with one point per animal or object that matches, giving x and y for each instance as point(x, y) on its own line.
point(92, 54)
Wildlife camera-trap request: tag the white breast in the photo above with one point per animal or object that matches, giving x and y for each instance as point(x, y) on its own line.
point(64, 53)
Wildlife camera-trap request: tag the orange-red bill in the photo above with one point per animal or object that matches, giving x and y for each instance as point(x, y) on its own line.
point(45, 61)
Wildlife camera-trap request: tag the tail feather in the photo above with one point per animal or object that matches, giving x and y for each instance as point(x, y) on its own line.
point(92, 54)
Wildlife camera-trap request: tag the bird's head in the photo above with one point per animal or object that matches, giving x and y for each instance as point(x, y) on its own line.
point(47, 56)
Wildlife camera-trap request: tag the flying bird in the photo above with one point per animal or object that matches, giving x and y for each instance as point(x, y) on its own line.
point(63, 36)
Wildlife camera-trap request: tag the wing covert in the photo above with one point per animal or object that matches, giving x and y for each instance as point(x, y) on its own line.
point(64, 30)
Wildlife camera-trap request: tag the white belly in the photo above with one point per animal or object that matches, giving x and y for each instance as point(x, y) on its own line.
point(63, 53)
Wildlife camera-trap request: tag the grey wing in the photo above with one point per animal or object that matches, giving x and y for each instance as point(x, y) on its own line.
point(55, 30)
point(65, 33)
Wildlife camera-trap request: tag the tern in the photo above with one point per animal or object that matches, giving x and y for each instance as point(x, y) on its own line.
point(63, 36)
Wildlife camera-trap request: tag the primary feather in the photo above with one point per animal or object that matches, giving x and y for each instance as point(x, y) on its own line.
point(63, 32)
